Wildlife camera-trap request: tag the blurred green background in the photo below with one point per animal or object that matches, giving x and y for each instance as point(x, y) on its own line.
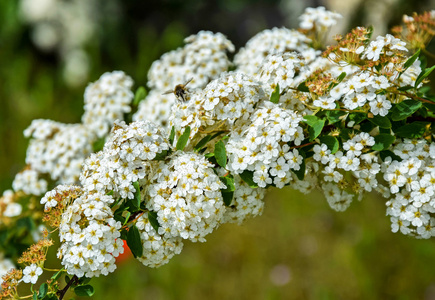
point(299, 248)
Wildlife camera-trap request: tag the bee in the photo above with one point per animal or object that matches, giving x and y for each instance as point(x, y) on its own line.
point(180, 91)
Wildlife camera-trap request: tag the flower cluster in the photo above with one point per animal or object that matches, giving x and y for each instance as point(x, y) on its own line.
point(157, 249)
point(274, 41)
point(318, 19)
point(90, 236)
point(283, 69)
point(56, 149)
point(247, 202)
point(185, 193)
point(203, 58)
point(8, 207)
point(107, 100)
point(411, 179)
point(262, 145)
point(156, 108)
point(124, 159)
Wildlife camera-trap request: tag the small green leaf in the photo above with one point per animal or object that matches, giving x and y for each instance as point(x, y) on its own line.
point(209, 155)
point(382, 122)
point(430, 106)
point(248, 177)
point(172, 136)
point(182, 141)
point(274, 97)
point(127, 217)
point(35, 295)
point(341, 76)
point(136, 200)
point(152, 216)
point(98, 144)
point(315, 126)
point(43, 289)
point(220, 154)
point(423, 75)
point(229, 182)
point(161, 156)
point(411, 60)
point(227, 197)
point(331, 142)
point(405, 109)
point(140, 95)
point(57, 275)
point(334, 116)
point(405, 88)
point(134, 241)
point(202, 142)
point(86, 290)
point(303, 87)
point(413, 130)
point(357, 117)
point(383, 141)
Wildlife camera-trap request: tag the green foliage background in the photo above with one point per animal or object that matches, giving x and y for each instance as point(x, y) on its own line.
point(316, 252)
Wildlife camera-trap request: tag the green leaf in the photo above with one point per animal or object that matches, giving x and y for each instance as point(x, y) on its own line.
point(303, 87)
point(227, 197)
point(152, 216)
point(229, 182)
point(334, 116)
point(134, 241)
point(274, 97)
point(98, 144)
point(315, 126)
point(383, 141)
point(382, 122)
point(208, 155)
point(247, 176)
point(202, 142)
point(368, 126)
point(86, 290)
point(127, 217)
point(331, 142)
point(141, 93)
point(161, 156)
point(220, 154)
point(430, 106)
point(423, 75)
point(404, 109)
point(341, 76)
point(136, 200)
point(57, 275)
point(43, 289)
point(413, 130)
point(357, 117)
point(405, 88)
point(182, 141)
point(172, 136)
point(35, 295)
point(411, 60)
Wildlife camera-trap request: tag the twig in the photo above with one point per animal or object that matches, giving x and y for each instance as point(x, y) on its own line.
point(62, 292)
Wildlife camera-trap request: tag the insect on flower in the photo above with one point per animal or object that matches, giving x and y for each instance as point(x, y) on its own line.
point(180, 91)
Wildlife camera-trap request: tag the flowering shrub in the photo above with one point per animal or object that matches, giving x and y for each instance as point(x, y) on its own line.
point(356, 117)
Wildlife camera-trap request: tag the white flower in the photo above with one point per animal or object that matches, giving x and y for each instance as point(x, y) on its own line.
point(31, 273)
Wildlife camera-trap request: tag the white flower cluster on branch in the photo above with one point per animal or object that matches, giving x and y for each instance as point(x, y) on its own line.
point(348, 121)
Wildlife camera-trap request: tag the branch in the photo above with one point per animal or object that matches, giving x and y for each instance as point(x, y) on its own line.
point(62, 292)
